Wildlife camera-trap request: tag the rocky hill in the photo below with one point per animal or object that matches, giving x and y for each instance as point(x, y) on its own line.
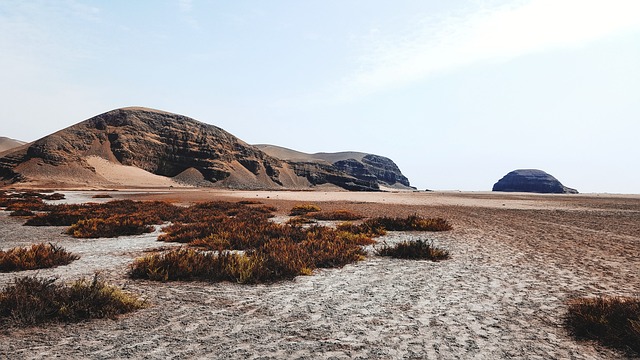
point(363, 166)
point(146, 147)
point(533, 181)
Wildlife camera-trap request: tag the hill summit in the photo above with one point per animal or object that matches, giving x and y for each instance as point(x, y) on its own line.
point(146, 147)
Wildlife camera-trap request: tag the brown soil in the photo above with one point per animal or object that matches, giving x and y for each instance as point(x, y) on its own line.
point(516, 260)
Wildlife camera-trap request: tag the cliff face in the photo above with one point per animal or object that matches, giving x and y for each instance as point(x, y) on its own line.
point(174, 146)
point(531, 180)
point(366, 168)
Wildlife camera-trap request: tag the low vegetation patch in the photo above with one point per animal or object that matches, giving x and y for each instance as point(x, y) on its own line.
point(414, 249)
point(114, 226)
point(613, 321)
point(31, 301)
point(102, 196)
point(342, 215)
point(410, 223)
point(275, 259)
point(304, 209)
point(38, 256)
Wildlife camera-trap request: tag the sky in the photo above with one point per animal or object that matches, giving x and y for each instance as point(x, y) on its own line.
point(457, 93)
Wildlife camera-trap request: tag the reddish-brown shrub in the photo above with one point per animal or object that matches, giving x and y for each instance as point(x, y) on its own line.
point(342, 215)
point(117, 225)
point(31, 301)
point(613, 321)
point(414, 249)
point(38, 256)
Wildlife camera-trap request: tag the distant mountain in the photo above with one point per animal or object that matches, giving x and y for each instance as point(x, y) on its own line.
point(531, 180)
point(146, 147)
point(8, 144)
point(363, 166)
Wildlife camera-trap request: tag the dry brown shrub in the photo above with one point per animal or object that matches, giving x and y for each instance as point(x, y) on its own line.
point(341, 215)
point(414, 249)
point(613, 321)
point(114, 226)
point(31, 301)
point(38, 256)
point(304, 209)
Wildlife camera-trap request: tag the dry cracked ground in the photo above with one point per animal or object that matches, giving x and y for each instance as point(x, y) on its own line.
point(516, 260)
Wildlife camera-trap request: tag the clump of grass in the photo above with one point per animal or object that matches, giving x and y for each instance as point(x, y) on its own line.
point(414, 249)
point(54, 196)
point(342, 215)
point(274, 258)
point(114, 226)
point(380, 225)
point(187, 264)
point(38, 256)
point(410, 223)
point(102, 196)
point(299, 220)
point(304, 209)
point(22, 213)
point(32, 301)
point(249, 202)
point(613, 321)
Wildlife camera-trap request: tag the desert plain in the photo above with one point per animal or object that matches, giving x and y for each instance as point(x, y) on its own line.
point(516, 260)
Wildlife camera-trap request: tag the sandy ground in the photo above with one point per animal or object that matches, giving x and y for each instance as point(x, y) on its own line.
point(516, 260)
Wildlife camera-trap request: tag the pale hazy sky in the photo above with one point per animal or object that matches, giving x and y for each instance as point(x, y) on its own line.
point(457, 93)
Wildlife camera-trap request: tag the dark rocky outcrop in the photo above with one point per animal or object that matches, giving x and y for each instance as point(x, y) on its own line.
point(182, 148)
point(366, 168)
point(533, 181)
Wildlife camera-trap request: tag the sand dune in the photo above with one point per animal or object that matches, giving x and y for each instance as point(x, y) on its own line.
point(122, 175)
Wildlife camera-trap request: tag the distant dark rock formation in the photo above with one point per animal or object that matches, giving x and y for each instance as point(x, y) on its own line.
point(370, 170)
point(533, 181)
point(184, 149)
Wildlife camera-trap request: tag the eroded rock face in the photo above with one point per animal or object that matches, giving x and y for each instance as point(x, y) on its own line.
point(173, 145)
point(533, 181)
point(367, 168)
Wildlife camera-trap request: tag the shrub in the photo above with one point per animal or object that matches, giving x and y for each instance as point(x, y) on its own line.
point(187, 264)
point(299, 220)
point(32, 300)
point(38, 256)
point(613, 321)
point(410, 223)
point(274, 259)
point(343, 215)
point(379, 225)
point(114, 226)
point(303, 209)
point(22, 213)
point(54, 196)
point(102, 196)
point(414, 249)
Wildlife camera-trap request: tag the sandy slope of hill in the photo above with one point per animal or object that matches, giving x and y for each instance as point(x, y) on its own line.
point(8, 144)
point(516, 261)
point(322, 157)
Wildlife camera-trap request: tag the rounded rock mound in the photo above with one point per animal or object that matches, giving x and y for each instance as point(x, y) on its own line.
point(532, 181)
